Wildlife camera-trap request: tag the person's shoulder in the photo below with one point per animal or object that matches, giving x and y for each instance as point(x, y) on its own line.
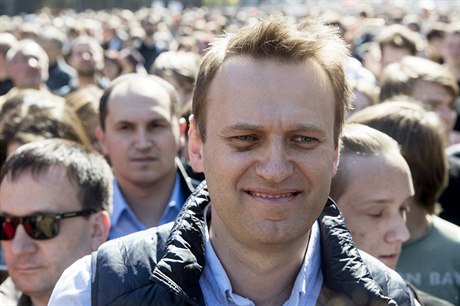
point(427, 299)
point(448, 229)
point(137, 242)
point(391, 283)
point(9, 295)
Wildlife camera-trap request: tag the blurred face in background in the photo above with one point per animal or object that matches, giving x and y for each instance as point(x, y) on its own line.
point(374, 204)
point(28, 68)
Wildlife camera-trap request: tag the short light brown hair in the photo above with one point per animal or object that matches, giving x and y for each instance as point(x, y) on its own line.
point(279, 40)
point(421, 136)
point(400, 78)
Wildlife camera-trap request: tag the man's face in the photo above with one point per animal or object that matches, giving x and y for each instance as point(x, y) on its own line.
point(85, 60)
point(141, 136)
point(269, 153)
point(376, 197)
point(436, 98)
point(29, 68)
point(451, 49)
point(391, 55)
point(36, 265)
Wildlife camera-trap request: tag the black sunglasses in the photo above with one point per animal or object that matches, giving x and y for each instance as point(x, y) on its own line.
point(38, 227)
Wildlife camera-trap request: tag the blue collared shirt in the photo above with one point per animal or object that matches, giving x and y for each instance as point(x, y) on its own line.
point(125, 222)
point(217, 289)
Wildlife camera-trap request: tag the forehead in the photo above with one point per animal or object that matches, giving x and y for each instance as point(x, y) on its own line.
point(83, 47)
point(429, 91)
point(246, 89)
point(29, 50)
point(377, 174)
point(41, 195)
point(139, 96)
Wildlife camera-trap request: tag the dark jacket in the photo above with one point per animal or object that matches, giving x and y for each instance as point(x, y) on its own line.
point(162, 266)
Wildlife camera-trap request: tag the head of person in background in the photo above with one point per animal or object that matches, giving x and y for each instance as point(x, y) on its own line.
point(86, 56)
point(61, 76)
point(372, 188)
point(85, 103)
point(451, 49)
point(27, 65)
point(425, 81)
point(420, 135)
point(395, 42)
point(180, 69)
point(141, 135)
point(55, 198)
point(364, 95)
point(34, 115)
point(435, 41)
point(113, 65)
point(132, 61)
point(7, 40)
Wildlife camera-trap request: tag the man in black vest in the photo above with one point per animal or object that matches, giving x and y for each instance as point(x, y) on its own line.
point(268, 108)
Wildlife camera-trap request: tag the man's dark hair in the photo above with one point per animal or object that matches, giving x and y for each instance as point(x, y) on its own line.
point(85, 168)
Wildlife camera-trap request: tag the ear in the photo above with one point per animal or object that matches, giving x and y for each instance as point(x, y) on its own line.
point(335, 161)
point(195, 146)
point(100, 229)
point(183, 131)
point(100, 135)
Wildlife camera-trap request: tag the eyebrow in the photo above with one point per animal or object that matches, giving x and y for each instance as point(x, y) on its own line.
point(294, 127)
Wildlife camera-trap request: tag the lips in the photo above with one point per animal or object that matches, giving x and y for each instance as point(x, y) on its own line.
point(143, 159)
point(272, 195)
point(26, 269)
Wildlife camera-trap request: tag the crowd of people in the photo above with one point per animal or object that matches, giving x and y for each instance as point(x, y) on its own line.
point(230, 157)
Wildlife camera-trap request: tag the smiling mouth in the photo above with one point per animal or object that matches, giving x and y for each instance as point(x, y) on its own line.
point(273, 196)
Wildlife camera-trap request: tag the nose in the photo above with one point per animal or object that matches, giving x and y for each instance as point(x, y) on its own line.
point(142, 139)
point(449, 116)
point(21, 242)
point(398, 231)
point(274, 164)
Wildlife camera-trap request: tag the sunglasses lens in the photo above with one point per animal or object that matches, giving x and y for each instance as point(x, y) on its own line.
point(8, 228)
point(41, 227)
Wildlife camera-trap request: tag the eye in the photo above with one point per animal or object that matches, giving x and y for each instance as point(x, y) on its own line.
point(156, 125)
point(303, 139)
point(244, 138)
point(124, 127)
point(375, 213)
point(243, 142)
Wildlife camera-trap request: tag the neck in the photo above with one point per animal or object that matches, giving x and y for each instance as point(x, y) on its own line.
point(148, 202)
point(40, 300)
point(85, 80)
point(418, 221)
point(264, 275)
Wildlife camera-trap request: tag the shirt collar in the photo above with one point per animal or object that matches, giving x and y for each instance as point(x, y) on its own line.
point(120, 205)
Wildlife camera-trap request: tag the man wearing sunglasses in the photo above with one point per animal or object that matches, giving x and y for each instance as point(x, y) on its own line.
point(55, 198)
